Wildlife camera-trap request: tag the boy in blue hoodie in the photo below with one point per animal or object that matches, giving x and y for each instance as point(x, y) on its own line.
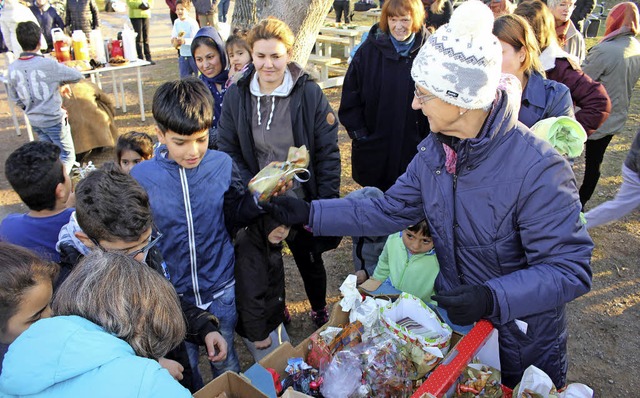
point(197, 198)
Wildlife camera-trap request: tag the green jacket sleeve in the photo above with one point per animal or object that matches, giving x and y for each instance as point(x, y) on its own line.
point(382, 271)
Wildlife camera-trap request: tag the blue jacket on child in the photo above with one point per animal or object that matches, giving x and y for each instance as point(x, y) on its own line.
point(69, 356)
point(195, 209)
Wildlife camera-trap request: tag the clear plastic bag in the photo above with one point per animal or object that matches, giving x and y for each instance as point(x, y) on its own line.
point(387, 366)
point(343, 376)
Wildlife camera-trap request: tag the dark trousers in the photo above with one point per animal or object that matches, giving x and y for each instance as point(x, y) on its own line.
point(342, 8)
point(311, 268)
point(141, 26)
point(173, 17)
point(594, 154)
point(223, 9)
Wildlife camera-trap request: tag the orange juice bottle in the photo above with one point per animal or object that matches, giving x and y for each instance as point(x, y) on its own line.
point(80, 45)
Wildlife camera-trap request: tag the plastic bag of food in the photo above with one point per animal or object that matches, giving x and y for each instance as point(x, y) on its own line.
point(276, 175)
point(537, 384)
point(412, 321)
point(319, 353)
point(350, 336)
point(343, 376)
point(564, 133)
point(387, 367)
point(479, 380)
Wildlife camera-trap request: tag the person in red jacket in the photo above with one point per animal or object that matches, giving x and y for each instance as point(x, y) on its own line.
point(590, 97)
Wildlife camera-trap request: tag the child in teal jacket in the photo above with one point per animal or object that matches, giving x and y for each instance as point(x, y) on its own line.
point(407, 264)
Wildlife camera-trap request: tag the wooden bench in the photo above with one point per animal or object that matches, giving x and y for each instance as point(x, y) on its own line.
point(347, 33)
point(325, 63)
point(324, 42)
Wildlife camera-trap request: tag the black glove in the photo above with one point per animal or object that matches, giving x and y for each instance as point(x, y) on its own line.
point(466, 304)
point(288, 210)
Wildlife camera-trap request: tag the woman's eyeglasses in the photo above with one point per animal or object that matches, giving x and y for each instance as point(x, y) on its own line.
point(423, 98)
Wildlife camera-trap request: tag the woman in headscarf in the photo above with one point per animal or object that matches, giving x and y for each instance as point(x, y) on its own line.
point(541, 98)
point(209, 53)
point(375, 108)
point(614, 62)
point(501, 203)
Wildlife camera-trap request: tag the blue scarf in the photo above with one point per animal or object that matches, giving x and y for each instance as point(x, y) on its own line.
point(403, 47)
point(221, 79)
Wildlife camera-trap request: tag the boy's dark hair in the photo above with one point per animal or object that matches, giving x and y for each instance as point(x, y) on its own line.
point(28, 35)
point(111, 205)
point(183, 106)
point(34, 171)
point(135, 141)
point(21, 269)
point(238, 38)
point(421, 228)
point(185, 3)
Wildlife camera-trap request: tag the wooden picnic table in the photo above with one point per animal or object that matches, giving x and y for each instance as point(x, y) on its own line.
point(324, 42)
point(325, 64)
point(350, 33)
point(374, 14)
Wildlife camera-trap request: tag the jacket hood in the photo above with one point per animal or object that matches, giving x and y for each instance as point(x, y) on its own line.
point(382, 41)
point(67, 236)
point(55, 350)
point(502, 117)
point(291, 76)
point(213, 34)
point(259, 231)
point(550, 54)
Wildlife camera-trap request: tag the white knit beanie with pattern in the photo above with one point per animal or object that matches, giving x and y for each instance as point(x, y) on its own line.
point(461, 62)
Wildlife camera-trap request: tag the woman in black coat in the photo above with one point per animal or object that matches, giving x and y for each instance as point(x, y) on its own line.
point(273, 106)
point(376, 99)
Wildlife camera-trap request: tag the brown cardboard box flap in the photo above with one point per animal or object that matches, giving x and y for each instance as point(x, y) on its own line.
point(235, 385)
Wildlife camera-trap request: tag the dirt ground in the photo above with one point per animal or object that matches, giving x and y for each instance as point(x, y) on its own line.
point(604, 348)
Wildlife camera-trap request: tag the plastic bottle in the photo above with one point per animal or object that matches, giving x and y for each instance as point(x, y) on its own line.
point(80, 45)
point(60, 45)
point(129, 43)
point(97, 46)
point(116, 49)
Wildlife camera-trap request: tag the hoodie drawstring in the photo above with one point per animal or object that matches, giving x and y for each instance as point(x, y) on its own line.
point(258, 107)
point(273, 107)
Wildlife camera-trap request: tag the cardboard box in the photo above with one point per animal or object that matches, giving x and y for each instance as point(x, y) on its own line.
point(278, 358)
point(291, 393)
point(480, 342)
point(235, 385)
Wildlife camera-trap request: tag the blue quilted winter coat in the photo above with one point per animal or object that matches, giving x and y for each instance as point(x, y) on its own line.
point(509, 219)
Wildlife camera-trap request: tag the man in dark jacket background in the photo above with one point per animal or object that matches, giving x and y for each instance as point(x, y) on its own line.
point(582, 10)
point(48, 19)
point(81, 15)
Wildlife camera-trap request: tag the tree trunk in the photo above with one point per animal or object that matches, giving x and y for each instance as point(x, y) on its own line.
point(304, 17)
point(244, 14)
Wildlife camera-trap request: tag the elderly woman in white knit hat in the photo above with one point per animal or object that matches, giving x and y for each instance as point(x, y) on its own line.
point(502, 204)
